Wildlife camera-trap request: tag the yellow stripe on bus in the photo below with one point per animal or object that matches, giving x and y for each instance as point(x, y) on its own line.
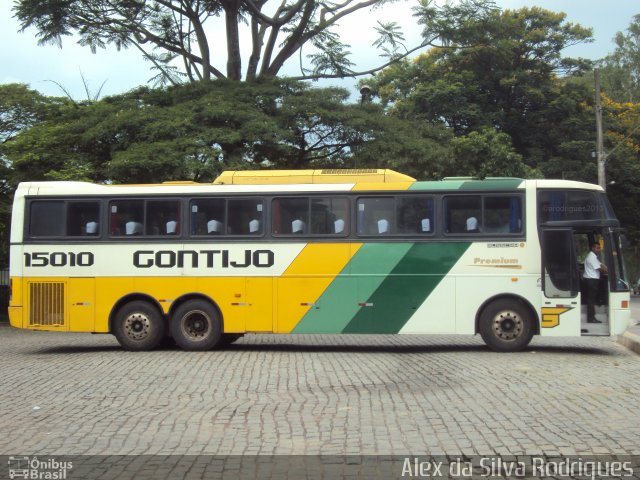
point(551, 316)
point(302, 284)
point(369, 186)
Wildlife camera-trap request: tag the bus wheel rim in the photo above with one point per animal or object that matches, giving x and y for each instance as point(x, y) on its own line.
point(507, 325)
point(196, 325)
point(137, 326)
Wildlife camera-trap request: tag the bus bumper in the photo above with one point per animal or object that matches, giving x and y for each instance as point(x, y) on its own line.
point(15, 317)
point(620, 321)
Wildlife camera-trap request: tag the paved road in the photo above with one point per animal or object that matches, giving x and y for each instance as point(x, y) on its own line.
point(81, 394)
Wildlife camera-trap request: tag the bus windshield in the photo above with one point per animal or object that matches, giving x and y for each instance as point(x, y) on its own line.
point(572, 205)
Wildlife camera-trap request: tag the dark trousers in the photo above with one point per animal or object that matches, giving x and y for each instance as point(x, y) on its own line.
point(591, 292)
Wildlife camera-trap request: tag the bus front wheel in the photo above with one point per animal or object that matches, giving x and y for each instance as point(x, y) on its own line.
point(196, 325)
point(506, 326)
point(138, 326)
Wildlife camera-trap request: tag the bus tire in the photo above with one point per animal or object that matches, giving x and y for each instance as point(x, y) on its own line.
point(196, 325)
point(138, 326)
point(506, 326)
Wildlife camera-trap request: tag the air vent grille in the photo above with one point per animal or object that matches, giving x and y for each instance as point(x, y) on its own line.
point(46, 303)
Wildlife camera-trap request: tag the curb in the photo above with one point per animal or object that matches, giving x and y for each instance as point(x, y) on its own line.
point(631, 341)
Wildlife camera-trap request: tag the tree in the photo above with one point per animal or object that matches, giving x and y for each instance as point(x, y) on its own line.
point(20, 109)
point(621, 69)
point(168, 30)
point(500, 72)
point(620, 80)
point(195, 131)
point(410, 146)
point(622, 147)
point(487, 153)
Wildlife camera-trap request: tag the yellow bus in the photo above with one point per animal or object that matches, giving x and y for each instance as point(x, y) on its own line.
point(313, 251)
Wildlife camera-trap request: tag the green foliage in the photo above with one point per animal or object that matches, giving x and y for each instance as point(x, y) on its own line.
point(459, 22)
point(498, 72)
point(20, 109)
point(487, 153)
point(332, 57)
point(621, 69)
point(622, 147)
point(413, 147)
point(390, 40)
point(195, 131)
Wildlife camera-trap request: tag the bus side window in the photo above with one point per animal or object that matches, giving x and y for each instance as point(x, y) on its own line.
point(502, 214)
point(83, 219)
point(290, 216)
point(415, 214)
point(310, 216)
point(46, 218)
point(126, 217)
point(208, 216)
point(245, 216)
point(376, 216)
point(162, 217)
point(463, 214)
point(329, 216)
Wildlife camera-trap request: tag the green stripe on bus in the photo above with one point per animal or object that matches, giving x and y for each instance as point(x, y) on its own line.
point(407, 286)
point(361, 277)
point(491, 184)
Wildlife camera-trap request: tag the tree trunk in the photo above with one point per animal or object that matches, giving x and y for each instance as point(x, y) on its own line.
point(234, 61)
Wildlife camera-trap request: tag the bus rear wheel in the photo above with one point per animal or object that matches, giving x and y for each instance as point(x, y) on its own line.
point(506, 326)
point(196, 325)
point(138, 326)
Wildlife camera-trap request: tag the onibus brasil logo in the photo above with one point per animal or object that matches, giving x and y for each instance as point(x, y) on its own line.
point(36, 469)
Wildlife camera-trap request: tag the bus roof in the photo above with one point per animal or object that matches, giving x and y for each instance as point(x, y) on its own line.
point(279, 177)
point(565, 184)
point(265, 181)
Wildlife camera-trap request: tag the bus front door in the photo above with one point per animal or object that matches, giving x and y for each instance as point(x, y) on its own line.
point(583, 240)
point(619, 312)
point(560, 284)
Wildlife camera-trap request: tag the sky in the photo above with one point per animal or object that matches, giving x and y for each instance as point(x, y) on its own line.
point(47, 68)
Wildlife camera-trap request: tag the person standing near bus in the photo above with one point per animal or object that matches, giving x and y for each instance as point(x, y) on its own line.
point(593, 268)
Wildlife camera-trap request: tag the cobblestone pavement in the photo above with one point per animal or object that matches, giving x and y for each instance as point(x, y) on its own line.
point(80, 394)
